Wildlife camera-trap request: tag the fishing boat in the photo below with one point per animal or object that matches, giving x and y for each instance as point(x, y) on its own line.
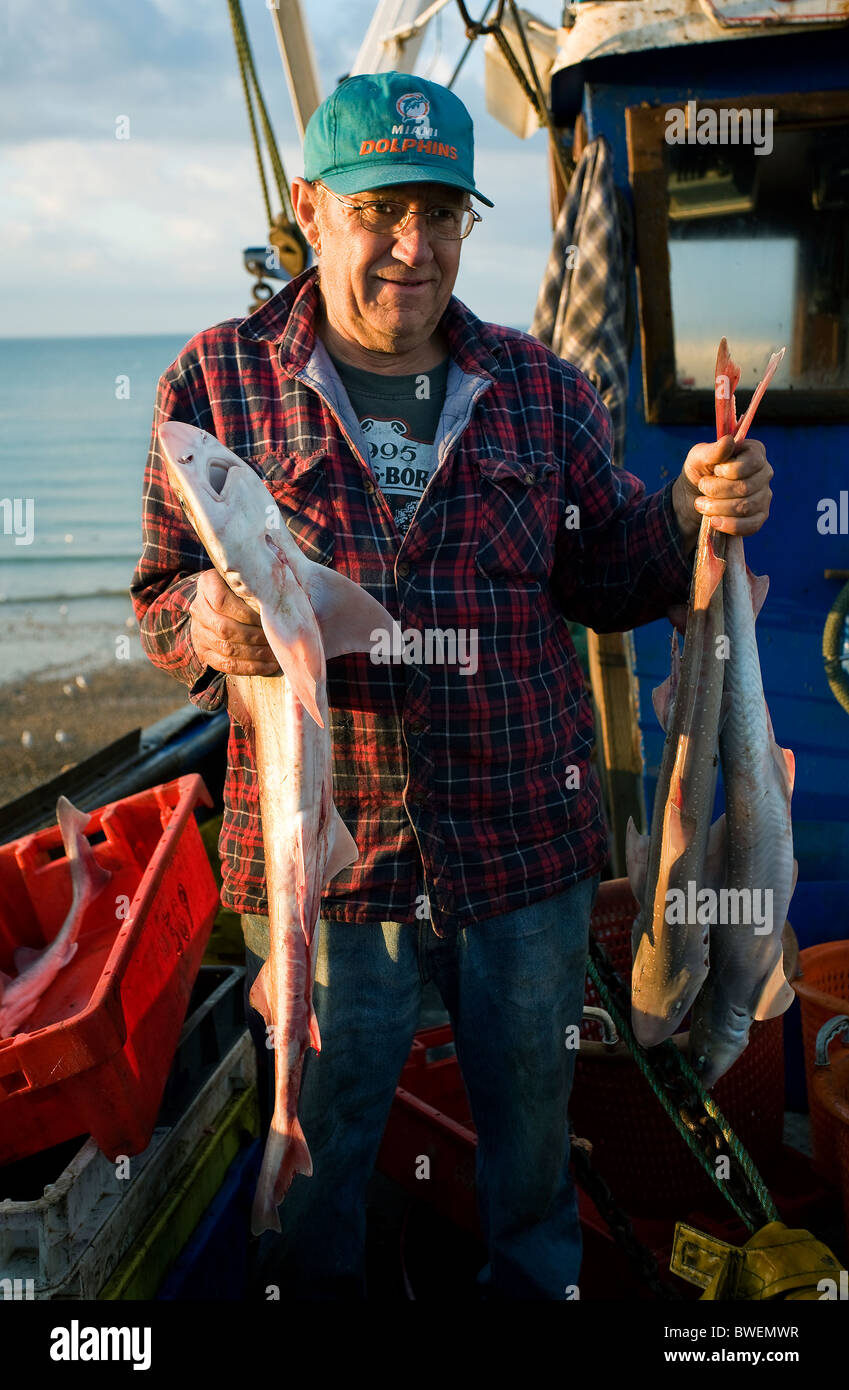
point(697, 174)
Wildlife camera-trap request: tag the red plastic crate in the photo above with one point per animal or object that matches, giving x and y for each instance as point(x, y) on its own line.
point(823, 991)
point(831, 1092)
point(430, 1115)
point(636, 1147)
point(99, 1044)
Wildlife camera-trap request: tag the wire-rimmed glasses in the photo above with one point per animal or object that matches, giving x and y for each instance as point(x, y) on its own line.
point(388, 216)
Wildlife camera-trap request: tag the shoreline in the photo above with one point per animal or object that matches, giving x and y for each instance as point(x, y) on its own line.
point(89, 709)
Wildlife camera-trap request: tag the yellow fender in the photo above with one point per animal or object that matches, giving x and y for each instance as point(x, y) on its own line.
point(774, 1263)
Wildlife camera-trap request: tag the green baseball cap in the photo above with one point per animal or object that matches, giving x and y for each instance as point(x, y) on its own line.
point(381, 128)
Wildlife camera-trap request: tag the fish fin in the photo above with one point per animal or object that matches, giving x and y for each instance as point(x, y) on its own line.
point(78, 851)
point(677, 833)
point(5, 981)
point(663, 700)
point(25, 955)
point(69, 952)
point(776, 995)
point(285, 1155)
point(664, 695)
point(677, 615)
point(259, 994)
point(742, 429)
point(299, 662)
point(347, 615)
point(296, 1159)
point(726, 408)
point(237, 704)
point(315, 1036)
point(716, 856)
point(72, 822)
point(758, 588)
point(636, 858)
point(98, 877)
point(785, 761)
point(712, 573)
point(343, 848)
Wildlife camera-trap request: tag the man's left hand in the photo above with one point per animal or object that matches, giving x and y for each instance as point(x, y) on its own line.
point(726, 481)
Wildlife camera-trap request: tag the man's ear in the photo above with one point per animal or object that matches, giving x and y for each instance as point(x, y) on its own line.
point(306, 200)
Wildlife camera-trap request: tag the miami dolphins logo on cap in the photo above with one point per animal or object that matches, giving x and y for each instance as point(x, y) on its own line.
point(412, 106)
point(413, 128)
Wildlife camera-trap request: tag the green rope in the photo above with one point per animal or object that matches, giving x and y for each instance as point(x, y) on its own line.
point(623, 1028)
point(252, 91)
point(240, 39)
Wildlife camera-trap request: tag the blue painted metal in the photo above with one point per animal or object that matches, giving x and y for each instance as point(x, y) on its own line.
point(809, 464)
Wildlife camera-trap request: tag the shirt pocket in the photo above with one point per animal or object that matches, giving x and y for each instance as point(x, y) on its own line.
point(298, 484)
point(518, 518)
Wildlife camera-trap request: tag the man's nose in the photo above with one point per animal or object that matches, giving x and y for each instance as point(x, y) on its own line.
point(413, 244)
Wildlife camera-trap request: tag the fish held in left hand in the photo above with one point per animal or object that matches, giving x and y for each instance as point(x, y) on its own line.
point(671, 957)
point(309, 613)
point(746, 979)
point(684, 853)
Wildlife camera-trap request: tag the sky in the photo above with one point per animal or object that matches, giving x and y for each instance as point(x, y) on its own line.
point(145, 235)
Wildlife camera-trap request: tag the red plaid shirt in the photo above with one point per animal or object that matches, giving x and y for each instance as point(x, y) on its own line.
point(469, 795)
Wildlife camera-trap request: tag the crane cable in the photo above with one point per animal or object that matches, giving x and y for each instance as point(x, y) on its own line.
point(533, 93)
point(284, 233)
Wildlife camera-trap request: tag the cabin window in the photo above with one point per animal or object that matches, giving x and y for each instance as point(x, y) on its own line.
point(742, 230)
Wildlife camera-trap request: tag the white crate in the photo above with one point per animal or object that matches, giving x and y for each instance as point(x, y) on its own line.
point(69, 1241)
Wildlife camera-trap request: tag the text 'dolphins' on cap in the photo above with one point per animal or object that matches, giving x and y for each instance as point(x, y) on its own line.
point(379, 129)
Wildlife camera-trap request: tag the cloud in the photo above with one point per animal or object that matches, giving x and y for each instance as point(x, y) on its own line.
point(157, 221)
point(136, 213)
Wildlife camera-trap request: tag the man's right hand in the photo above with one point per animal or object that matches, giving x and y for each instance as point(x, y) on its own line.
point(226, 633)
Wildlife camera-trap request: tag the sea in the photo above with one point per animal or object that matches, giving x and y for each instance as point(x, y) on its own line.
point(75, 425)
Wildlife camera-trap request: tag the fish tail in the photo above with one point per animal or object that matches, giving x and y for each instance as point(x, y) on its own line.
point(296, 1159)
point(285, 1155)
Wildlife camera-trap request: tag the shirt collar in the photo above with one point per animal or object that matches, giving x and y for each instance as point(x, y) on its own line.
point(288, 318)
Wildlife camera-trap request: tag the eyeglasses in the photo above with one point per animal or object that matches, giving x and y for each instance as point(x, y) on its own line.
point(386, 216)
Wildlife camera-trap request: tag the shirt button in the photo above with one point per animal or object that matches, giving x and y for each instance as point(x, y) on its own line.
point(403, 569)
point(529, 478)
point(368, 485)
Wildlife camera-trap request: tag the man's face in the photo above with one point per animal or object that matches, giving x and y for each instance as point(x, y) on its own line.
point(387, 292)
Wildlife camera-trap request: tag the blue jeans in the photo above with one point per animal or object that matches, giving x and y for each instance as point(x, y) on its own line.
point(512, 985)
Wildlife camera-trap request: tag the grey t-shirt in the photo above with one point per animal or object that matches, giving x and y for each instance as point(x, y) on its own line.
point(398, 416)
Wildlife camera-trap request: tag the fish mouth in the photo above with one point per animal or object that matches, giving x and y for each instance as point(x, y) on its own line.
point(217, 472)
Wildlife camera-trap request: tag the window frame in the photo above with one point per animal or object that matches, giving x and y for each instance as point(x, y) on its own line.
point(665, 401)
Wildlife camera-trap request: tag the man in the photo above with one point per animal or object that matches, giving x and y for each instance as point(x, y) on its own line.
point(461, 472)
